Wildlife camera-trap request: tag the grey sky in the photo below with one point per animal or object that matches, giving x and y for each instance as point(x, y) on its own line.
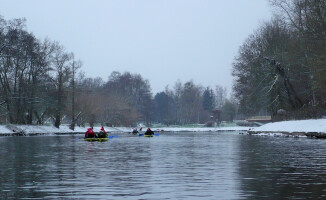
point(163, 40)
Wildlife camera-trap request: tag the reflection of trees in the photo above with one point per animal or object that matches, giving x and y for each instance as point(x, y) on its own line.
point(127, 161)
point(22, 162)
point(278, 168)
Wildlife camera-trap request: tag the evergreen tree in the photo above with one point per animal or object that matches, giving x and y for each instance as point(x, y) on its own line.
point(208, 99)
point(161, 103)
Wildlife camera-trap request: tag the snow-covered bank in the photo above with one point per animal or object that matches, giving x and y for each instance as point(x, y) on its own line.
point(17, 130)
point(7, 130)
point(312, 127)
point(206, 129)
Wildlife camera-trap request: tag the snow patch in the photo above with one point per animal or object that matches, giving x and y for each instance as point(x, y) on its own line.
point(304, 126)
point(64, 129)
point(280, 135)
point(205, 129)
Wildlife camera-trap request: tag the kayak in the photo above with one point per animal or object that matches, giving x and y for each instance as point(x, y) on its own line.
point(148, 135)
point(96, 139)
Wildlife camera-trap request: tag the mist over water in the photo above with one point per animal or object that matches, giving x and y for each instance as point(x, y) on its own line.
point(170, 166)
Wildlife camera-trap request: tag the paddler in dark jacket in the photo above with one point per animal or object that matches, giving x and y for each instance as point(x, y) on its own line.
point(149, 132)
point(90, 133)
point(102, 133)
point(135, 131)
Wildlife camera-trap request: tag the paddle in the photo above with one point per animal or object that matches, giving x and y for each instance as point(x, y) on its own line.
point(156, 134)
point(113, 136)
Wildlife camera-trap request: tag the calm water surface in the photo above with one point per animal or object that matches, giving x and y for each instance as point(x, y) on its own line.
point(169, 166)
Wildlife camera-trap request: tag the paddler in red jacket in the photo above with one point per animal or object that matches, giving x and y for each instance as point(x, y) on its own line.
point(90, 133)
point(102, 133)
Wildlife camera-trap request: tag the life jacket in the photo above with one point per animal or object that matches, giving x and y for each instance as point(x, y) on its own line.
point(102, 133)
point(102, 129)
point(149, 132)
point(90, 133)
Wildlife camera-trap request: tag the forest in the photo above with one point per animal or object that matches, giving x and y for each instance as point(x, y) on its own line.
point(42, 83)
point(280, 70)
point(281, 67)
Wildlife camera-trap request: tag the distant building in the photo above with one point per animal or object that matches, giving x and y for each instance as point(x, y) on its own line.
point(260, 119)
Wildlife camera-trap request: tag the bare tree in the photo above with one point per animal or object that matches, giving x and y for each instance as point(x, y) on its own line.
point(220, 96)
point(61, 64)
point(75, 65)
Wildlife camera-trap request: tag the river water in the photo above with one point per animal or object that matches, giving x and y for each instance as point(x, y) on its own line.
point(170, 166)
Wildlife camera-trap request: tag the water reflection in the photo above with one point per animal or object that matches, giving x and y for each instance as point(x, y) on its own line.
point(282, 168)
point(171, 166)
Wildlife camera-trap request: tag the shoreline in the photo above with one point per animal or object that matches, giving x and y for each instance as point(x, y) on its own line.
point(315, 128)
point(34, 130)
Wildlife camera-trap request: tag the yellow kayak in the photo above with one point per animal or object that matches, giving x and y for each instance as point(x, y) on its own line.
point(96, 139)
point(148, 135)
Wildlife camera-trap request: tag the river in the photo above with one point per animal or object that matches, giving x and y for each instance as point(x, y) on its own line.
point(224, 165)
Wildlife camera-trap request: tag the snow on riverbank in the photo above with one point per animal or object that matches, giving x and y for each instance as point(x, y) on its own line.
point(302, 127)
point(64, 129)
point(298, 126)
point(4, 130)
point(206, 129)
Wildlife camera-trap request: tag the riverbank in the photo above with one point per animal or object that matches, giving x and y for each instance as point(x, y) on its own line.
point(204, 129)
point(29, 130)
point(310, 128)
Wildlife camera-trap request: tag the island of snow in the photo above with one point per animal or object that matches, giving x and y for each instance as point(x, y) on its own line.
point(311, 127)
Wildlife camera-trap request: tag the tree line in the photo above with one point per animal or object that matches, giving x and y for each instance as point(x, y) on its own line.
point(189, 103)
point(281, 67)
point(41, 82)
point(34, 75)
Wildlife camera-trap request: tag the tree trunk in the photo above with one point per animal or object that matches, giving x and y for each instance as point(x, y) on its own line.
point(57, 120)
point(73, 121)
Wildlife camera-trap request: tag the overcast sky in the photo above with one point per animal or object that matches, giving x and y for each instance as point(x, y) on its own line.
point(163, 40)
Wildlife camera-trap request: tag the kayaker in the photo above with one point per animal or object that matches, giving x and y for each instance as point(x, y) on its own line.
point(149, 132)
point(135, 131)
point(90, 133)
point(102, 133)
